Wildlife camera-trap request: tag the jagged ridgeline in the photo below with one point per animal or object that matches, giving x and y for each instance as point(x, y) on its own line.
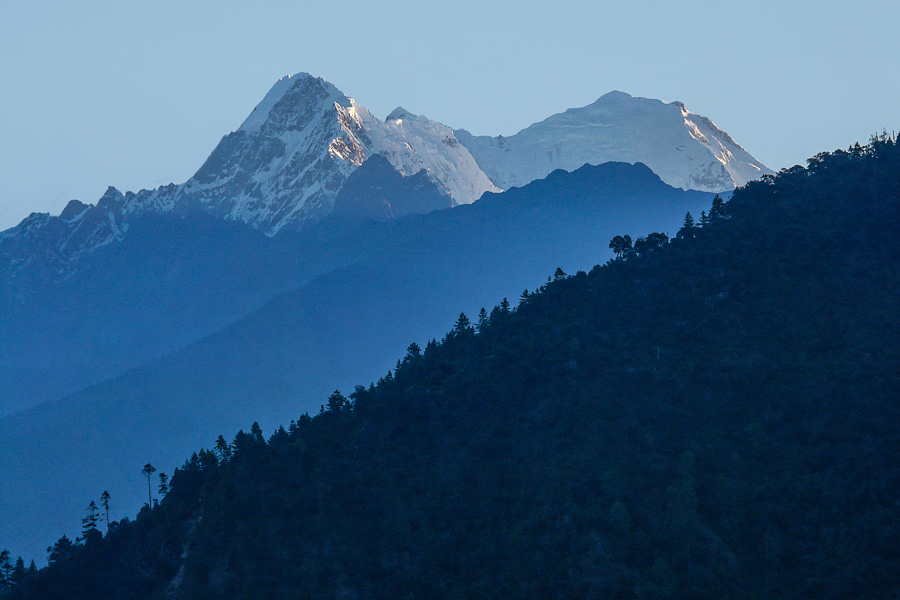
point(714, 416)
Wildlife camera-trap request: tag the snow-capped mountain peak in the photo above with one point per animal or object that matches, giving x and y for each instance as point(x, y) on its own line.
point(613, 96)
point(737, 162)
point(400, 113)
point(281, 169)
point(291, 101)
point(684, 149)
point(286, 163)
point(260, 113)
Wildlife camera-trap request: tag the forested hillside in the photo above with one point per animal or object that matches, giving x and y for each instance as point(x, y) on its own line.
point(712, 416)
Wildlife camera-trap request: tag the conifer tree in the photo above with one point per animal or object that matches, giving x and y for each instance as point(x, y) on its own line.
point(148, 471)
point(336, 401)
point(717, 211)
point(60, 550)
point(413, 353)
point(257, 434)
point(18, 571)
point(687, 228)
point(688, 221)
point(163, 484)
point(104, 502)
point(483, 319)
point(223, 449)
point(5, 570)
point(89, 522)
point(462, 325)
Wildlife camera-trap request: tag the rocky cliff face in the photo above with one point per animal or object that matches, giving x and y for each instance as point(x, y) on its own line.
point(378, 192)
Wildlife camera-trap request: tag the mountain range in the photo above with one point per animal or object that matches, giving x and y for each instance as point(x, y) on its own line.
point(703, 417)
point(305, 153)
point(283, 168)
point(313, 244)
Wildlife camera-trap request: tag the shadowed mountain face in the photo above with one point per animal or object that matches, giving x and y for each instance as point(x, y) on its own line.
point(378, 192)
point(411, 277)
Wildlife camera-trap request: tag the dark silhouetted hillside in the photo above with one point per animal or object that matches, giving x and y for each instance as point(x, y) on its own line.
point(714, 416)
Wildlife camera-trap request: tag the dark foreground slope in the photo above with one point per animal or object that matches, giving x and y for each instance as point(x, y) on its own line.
point(714, 418)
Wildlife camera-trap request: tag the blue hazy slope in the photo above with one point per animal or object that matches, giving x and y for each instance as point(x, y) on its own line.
point(347, 326)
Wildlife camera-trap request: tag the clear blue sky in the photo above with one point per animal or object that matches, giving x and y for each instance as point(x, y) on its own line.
point(136, 94)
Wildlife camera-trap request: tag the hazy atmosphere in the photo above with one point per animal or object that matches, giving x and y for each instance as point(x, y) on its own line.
point(136, 95)
point(373, 300)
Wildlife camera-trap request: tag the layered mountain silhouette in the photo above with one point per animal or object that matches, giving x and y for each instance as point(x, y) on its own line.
point(410, 277)
point(711, 416)
point(311, 246)
point(81, 301)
